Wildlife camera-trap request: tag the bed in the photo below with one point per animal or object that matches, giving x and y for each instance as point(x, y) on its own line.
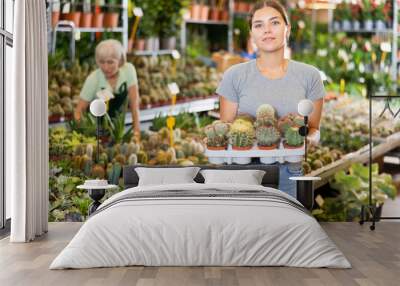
point(201, 224)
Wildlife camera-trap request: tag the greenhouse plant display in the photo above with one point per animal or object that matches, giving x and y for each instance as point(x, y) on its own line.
point(353, 192)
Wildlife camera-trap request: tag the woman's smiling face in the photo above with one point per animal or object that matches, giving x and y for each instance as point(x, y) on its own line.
point(269, 30)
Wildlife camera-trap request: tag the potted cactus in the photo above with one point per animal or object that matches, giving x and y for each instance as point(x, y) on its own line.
point(216, 139)
point(217, 135)
point(293, 139)
point(241, 136)
point(289, 120)
point(267, 137)
point(265, 110)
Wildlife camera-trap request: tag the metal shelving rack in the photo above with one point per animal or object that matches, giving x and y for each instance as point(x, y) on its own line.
point(70, 27)
point(229, 24)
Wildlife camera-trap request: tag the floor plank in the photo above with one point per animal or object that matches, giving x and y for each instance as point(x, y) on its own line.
point(374, 255)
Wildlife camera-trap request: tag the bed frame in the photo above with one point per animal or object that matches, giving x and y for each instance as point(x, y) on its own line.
point(270, 179)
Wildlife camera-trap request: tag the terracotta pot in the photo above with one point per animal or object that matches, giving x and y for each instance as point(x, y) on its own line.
point(97, 20)
point(272, 147)
point(204, 12)
point(214, 14)
point(55, 17)
point(292, 147)
point(224, 15)
point(73, 17)
point(139, 44)
point(195, 12)
point(242, 148)
point(86, 20)
point(236, 7)
point(243, 6)
point(111, 20)
point(215, 148)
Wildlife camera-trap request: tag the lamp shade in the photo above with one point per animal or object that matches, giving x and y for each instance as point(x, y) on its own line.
point(98, 107)
point(305, 107)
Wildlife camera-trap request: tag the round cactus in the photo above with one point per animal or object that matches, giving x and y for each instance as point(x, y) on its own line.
point(293, 137)
point(289, 120)
point(217, 134)
point(242, 134)
point(267, 136)
point(265, 110)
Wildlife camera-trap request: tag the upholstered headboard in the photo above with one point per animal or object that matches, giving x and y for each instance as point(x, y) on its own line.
point(270, 179)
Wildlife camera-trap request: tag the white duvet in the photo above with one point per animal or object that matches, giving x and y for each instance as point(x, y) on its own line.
point(200, 231)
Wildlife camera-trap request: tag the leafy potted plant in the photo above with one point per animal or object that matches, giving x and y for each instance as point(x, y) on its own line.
point(337, 17)
point(98, 14)
point(169, 20)
point(87, 15)
point(356, 14)
point(353, 188)
point(367, 15)
point(346, 16)
point(112, 14)
point(73, 13)
point(379, 16)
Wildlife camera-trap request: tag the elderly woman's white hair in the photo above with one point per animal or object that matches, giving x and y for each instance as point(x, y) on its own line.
point(110, 49)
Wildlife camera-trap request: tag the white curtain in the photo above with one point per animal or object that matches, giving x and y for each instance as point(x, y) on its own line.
point(27, 124)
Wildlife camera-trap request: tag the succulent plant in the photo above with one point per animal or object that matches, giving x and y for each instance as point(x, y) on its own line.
point(241, 139)
point(267, 136)
point(265, 110)
point(289, 120)
point(265, 121)
point(217, 134)
point(293, 137)
point(242, 133)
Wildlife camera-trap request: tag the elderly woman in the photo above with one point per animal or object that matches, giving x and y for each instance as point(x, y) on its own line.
point(116, 76)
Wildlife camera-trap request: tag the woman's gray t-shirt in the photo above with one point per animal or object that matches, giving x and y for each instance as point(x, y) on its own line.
point(244, 84)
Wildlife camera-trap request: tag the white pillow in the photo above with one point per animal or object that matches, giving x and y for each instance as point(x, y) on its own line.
point(249, 177)
point(166, 176)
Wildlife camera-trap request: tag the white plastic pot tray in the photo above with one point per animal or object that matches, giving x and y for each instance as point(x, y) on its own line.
point(230, 156)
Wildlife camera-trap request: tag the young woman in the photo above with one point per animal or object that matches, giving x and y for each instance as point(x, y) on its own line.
point(272, 79)
point(115, 75)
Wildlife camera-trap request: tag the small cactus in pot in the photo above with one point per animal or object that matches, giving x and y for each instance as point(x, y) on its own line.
point(265, 111)
point(241, 135)
point(217, 135)
point(267, 137)
point(293, 139)
point(289, 120)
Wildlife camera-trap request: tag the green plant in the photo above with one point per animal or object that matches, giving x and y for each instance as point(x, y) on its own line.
point(116, 128)
point(265, 110)
point(267, 136)
point(367, 10)
point(293, 137)
point(353, 191)
point(217, 134)
point(241, 133)
point(112, 6)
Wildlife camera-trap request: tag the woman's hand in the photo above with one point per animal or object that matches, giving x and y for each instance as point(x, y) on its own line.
point(313, 137)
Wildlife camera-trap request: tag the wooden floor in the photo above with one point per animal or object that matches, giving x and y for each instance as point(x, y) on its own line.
point(375, 257)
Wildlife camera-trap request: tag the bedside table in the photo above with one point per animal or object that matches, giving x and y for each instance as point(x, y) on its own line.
point(305, 190)
point(96, 194)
